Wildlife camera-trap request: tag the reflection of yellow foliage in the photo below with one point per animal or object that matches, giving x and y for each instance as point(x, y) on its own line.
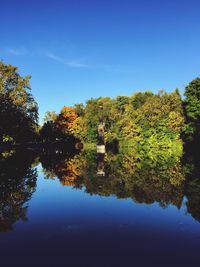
point(68, 180)
point(133, 173)
point(6, 154)
point(177, 178)
point(68, 170)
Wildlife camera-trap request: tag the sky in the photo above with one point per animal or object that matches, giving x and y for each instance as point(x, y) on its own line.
point(75, 50)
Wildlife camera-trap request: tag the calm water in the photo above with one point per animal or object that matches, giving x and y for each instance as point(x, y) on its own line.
point(86, 210)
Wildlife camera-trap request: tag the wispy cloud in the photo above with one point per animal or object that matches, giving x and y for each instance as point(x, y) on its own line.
point(79, 64)
point(73, 63)
point(69, 63)
point(17, 51)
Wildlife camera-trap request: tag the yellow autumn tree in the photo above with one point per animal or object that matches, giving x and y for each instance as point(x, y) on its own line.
point(67, 121)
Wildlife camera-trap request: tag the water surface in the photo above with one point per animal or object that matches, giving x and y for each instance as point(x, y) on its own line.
point(86, 210)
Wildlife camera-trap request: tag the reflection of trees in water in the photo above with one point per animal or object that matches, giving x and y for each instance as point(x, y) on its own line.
point(143, 181)
point(68, 170)
point(17, 184)
point(143, 178)
point(146, 177)
point(154, 176)
point(64, 165)
point(193, 197)
point(192, 188)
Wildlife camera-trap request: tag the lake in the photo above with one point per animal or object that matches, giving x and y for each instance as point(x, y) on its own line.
point(83, 209)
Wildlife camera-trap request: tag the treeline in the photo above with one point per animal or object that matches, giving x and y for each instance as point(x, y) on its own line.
point(144, 119)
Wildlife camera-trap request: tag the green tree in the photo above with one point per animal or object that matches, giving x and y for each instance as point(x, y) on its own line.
point(192, 109)
point(18, 109)
point(50, 116)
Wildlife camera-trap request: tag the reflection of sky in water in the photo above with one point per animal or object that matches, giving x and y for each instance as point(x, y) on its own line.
point(67, 221)
point(55, 203)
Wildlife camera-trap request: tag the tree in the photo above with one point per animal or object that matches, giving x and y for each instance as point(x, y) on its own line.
point(66, 121)
point(192, 109)
point(138, 99)
point(18, 109)
point(48, 132)
point(50, 116)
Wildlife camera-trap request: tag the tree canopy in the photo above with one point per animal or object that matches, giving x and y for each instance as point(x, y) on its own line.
point(192, 109)
point(144, 118)
point(18, 109)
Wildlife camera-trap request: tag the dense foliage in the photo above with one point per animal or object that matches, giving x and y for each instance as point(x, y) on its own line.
point(192, 110)
point(145, 119)
point(18, 109)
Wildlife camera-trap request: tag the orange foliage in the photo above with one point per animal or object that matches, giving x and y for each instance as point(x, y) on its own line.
point(66, 121)
point(68, 172)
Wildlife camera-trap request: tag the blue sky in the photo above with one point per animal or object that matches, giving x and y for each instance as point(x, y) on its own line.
point(76, 50)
